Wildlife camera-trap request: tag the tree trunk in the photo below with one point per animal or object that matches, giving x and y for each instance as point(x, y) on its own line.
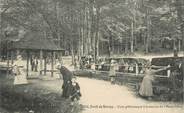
point(27, 65)
point(45, 64)
point(97, 33)
point(110, 45)
point(41, 60)
point(52, 63)
point(148, 31)
point(179, 4)
point(179, 45)
point(73, 55)
point(126, 45)
point(87, 32)
point(1, 35)
point(81, 36)
point(7, 57)
point(83, 29)
point(92, 26)
point(132, 38)
point(79, 44)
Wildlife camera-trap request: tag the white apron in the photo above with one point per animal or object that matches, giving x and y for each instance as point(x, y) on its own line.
point(20, 76)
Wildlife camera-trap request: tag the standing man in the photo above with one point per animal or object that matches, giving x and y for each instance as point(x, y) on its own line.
point(35, 64)
point(32, 63)
point(75, 63)
point(175, 52)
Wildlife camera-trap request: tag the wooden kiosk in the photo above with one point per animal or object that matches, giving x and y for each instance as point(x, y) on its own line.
point(36, 42)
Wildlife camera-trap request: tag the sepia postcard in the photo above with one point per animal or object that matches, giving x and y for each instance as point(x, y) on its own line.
point(91, 56)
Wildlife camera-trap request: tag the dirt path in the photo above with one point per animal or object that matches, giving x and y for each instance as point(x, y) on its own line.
point(102, 97)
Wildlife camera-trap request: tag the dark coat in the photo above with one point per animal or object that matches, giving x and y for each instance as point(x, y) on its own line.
point(67, 74)
point(67, 89)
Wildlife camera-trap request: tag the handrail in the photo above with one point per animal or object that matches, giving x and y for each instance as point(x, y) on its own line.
point(131, 74)
point(132, 65)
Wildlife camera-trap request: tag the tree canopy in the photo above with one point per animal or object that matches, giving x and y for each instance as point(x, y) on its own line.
point(87, 26)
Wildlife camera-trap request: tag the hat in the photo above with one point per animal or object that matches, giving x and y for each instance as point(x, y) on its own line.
point(113, 61)
point(19, 57)
point(58, 66)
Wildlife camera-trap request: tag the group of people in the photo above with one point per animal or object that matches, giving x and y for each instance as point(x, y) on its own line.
point(135, 67)
point(71, 88)
point(86, 62)
point(121, 66)
point(146, 87)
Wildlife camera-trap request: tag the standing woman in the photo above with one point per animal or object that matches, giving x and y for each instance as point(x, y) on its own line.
point(67, 76)
point(112, 71)
point(18, 70)
point(146, 88)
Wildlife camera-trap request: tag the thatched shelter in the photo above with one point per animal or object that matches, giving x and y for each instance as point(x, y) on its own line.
point(37, 42)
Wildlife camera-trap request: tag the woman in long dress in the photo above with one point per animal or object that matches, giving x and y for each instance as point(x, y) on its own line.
point(112, 71)
point(146, 88)
point(18, 70)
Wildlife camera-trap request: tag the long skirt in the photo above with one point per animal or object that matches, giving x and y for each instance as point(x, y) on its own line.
point(20, 78)
point(67, 89)
point(146, 88)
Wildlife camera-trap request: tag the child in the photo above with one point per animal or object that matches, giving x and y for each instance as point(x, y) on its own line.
point(75, 93)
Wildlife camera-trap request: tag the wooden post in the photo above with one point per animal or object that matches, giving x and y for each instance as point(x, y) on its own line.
point(8, 63)
point(60, 58)
point(147, 42)
point(52, 63)
point(54, 57)
point(182, 72)
point(179, 45)
point(27, 67)
point(17, 52)
point(12, 57)
point(174, 44)
point(45, 65)
point(132, 37)
point(41, 61)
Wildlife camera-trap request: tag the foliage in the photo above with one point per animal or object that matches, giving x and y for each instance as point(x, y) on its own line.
point(83, 24)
